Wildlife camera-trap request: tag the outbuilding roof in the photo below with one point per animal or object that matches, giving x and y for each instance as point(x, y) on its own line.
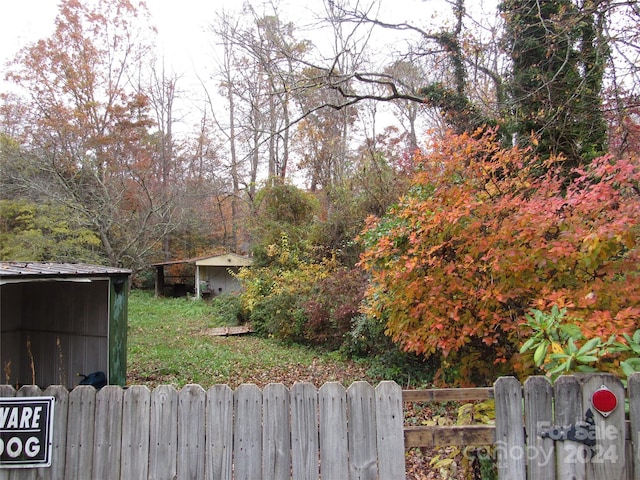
point(50, 269)
point(226, 260)
point(221, 260)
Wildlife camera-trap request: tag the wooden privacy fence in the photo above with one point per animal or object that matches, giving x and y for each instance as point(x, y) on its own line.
point(542, 431)
point(248, 434)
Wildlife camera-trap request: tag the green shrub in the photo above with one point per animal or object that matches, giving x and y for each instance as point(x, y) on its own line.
point(367, 339)
point(228, 310)
point(278, 315)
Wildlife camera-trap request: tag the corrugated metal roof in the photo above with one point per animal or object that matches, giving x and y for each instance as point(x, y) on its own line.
point(50, 269)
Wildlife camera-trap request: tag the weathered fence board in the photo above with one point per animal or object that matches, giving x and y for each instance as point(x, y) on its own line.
point(108, 433)
point(27, 391)
point(276, 440)
point(59, 439)
point(248, 433)
point(334, 450)
point(439, 436)
point(304, 431)
point(361, 435)
point(136, 414)
point(79, 447)
point(163, 433)
point(191, 432)
point(568, 408)
point(633, 388)
point(389, 430)
point(8, 391)
point(606, 460)
point(219, 433)
point(448, 394)
point(510, 429)
point(538, 400)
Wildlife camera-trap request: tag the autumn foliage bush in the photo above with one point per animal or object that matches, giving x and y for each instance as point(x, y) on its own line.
point(481, 239)
point(332, 305)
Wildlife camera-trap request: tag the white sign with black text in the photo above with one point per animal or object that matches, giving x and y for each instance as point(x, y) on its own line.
point(26, 431)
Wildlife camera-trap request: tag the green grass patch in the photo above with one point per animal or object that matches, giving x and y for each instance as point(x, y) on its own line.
point(170, 343)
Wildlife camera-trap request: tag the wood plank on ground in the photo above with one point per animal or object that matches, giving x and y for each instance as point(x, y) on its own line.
point(226, 331)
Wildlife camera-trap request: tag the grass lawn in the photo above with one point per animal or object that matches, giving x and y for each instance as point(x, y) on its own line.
point(169, 344)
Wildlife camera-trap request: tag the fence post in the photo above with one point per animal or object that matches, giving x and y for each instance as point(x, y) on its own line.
point(633, 385)
point(509, 429)
point(538, 414)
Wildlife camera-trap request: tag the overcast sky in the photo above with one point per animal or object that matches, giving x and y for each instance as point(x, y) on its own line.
point(184, 40)
point(180, 23)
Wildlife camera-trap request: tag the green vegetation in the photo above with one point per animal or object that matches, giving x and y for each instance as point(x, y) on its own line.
point(170, 343)
point(555, 341)
point(43, 231)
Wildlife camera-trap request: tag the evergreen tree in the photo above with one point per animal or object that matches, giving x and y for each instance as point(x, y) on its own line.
point(558, 59)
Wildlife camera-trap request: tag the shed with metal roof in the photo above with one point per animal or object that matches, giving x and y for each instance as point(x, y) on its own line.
point(58, 320)
point(207, 276)
point(215, 275)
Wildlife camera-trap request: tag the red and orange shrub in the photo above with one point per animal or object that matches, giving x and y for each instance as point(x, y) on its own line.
point(482, 238)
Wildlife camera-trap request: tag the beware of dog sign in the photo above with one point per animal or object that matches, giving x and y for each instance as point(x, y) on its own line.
point(25, 431)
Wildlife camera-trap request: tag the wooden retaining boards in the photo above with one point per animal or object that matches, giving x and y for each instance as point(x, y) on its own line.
point(436, 436)
point(478, 435)
point(447, 394)
point(441, 436)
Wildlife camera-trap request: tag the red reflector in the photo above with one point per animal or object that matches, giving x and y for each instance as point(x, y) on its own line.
point(604, 400)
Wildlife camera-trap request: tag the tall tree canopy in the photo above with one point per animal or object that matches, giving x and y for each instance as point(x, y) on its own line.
point(543, 74)
point(558, 54)
point(86, 126)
